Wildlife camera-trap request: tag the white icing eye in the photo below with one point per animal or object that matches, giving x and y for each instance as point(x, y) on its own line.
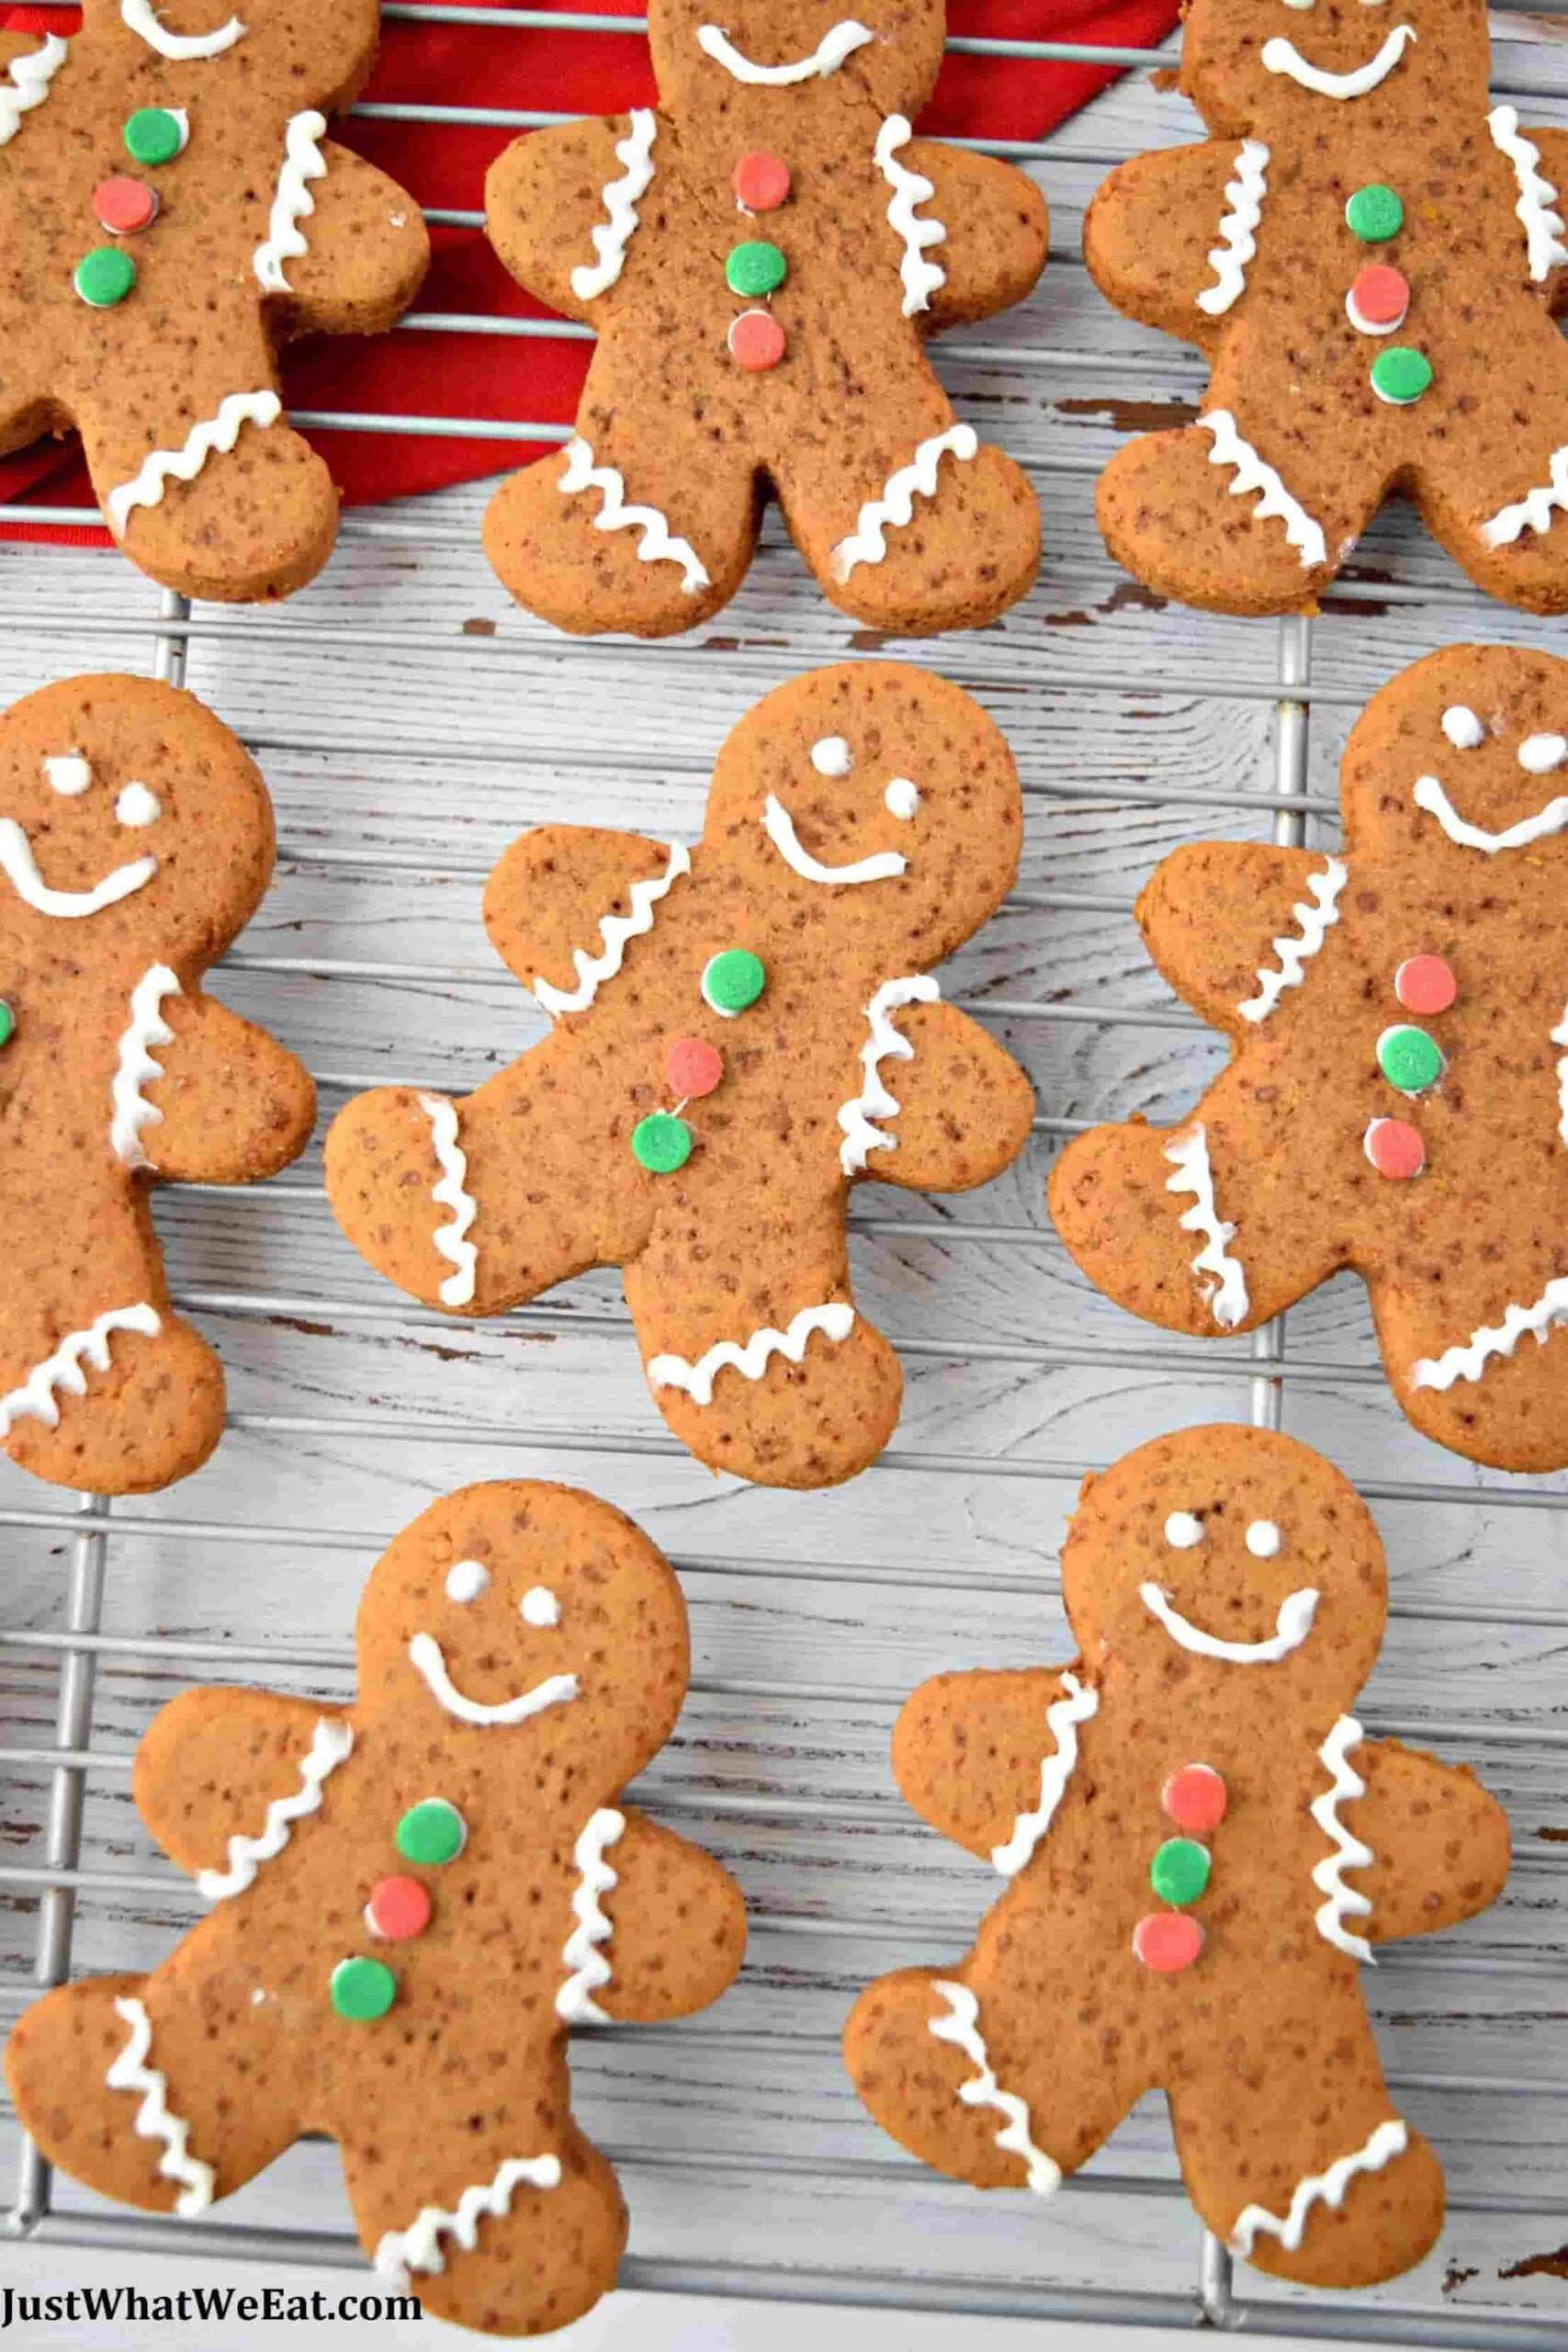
point(1182, 1530)
point(1300, 3)
point(465, 1579)
point(69, 772)
point(539, 1606)
point(832, 756)
point(1263, 1539)
point(137, 805)
point(902, 797)
point(1539, 755)
point(1463, 728)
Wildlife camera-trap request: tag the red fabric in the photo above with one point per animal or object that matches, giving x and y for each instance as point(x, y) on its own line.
point(444, 165)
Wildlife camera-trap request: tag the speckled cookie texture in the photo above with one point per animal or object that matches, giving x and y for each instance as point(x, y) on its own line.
point(171, 209)
point(1396, 1101)
point(1369, 257)
point(743, 1030)
point(415, 1898)
point(1201, 1846)
point(763, 257)
point(136, 840)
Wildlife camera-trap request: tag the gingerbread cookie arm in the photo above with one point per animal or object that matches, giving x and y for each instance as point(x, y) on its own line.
point(643, 1897)
point(984, 1757)
point(1440, 1841)
point(565, 906)
point(1236, 926)
point(203, 1097)
point(346, 248)
point(1159, 237)
point(997, 231)
point(962, 1106)
point(547, 193)
point(222, 1775)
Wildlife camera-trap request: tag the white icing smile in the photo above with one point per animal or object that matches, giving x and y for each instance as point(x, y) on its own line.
point(1292, 1628)
point(20, 868)
point(1281, 56)
point(1429, 795)
point(826, 58)
point(425, 1653)
point(180, 47)
point(884, 865)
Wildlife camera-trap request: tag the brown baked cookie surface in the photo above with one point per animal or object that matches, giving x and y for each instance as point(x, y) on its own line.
point(416, 1899)
point(743, 1031)
point(1371, 259)
point(1397, 1096)
point(763, 257)
point(136, 842)
point(1201, 1846)
point(171, 210)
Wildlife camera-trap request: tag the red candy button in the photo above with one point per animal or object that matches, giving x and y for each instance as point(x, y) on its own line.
point(1424, 984)
point(1379, 298)
point(760, 182)
point(756, 341)
point(1168, 1942)
point(692, 1066)
point(398, 1908)
point(1394, 1147)
point(124, 206)
point(1195, 1799)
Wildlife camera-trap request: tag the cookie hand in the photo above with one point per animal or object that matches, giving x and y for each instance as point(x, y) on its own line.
point(214, 1761)
point(996, 229)
point(1441, 1841)
point(1227, 922)
point(230, 1103)
point(667, 1895)
point(1148, 234)
point(566, 905)
point(366, 250)
point(969, 1751)
point(965, 1106)
point(544, 198)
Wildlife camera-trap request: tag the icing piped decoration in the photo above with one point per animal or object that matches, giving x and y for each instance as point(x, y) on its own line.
point(1292, 1627)
point(35, 1399)
point(902, 797)
point(68, 773)
point(1062, 1718)
point(292, 201)
point(154, 2118)
point(20, 870)
point(1264, 1539)
point(1341, 1901)
point(883, 865)
point(835, 1319)
point(614, 930)
point(867, 542)
point(1313, 921)
point(539, 1606)
point(1469, 1359)
point(26, 83)
point(426, 1657)
point(1463, 728)
point(1533, 512)
point(961, 2028)
point(136, 807)
point(451, 1239)
point(885, 1044)
point(612, 236)
point(839, 41)
point(1560, 1037)
point(831, 755)
point(656, 545)
point(1252, 474)
point(1281, 56)
point(465, 1579)
point(1239, 245)
point(1189, 1155)
point(589, 1970)
point(1183, 1530)
point(1542, 226)
point(181, 48)
point(1390, 2140)
point(331, 1745)
point(136, 1068)
point(920, 277)
point(214, 434)
point(1429, 795)
point(419, 2246)
point(1539, 755)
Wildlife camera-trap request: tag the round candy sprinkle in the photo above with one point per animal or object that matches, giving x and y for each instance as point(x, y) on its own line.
point(156, 134)
point(1195, 1798)
point(1409, 1059)
point(105, 276)
point(1378, 300)
point(733, 980)
point(399, 1908)
point(431, 1832)
point(755, 267)
point(1374, 214)
point(1180, 1871)
point(692, 1068)
point(363, 1989)
point(756, 342)
point(661, 1142)
point(1400, 375)
point(1394, 1147)
point(1425, 984)
point(1168, 1942)
point(760, 182)
point(123, 206)
point(8, 1023)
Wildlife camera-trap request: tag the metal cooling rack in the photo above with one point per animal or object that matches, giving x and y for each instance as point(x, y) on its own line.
point(58, 1880)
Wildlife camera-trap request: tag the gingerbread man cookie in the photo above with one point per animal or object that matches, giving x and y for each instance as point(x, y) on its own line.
point(1370, 262)
point(1201, 1845)
point(415, 1898)
point(743, 1030)
point(1397, 1097)
point(171, 209)
point(763, 257)
point(136, 840)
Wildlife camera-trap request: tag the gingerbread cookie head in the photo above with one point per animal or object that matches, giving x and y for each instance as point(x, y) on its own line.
point(787, 61)
point(1466, 751)
point(320, 54)
point(1248, 67)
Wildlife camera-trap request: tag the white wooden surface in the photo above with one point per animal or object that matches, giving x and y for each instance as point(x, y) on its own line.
point(410, 723)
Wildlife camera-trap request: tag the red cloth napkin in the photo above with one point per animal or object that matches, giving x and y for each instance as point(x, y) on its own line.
point(412, 374)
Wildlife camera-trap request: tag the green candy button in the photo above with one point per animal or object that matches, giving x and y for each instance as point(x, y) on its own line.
point(8, 1023)
point(1400, 375)
point(755, 268)
point(154, 135)
point(661, 1142)
point(1374, 214)
point(105, 276)
point(1180, 1871)
point(363, 1989)
point(431, 1833)
point(734, 980)
point(1409, 1059)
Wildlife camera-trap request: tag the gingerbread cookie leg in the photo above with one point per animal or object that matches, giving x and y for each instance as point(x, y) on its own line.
point(124, 1401)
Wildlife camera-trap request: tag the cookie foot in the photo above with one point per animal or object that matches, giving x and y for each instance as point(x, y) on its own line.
point(811, 1423)
point(153, 1416)
point(960, 561)
point(252, 526)
point(1172, 512)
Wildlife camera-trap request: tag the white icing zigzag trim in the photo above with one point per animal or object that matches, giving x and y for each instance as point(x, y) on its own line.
point(1469, 1359)
point(835, 1318)
point(1189, 1155)
point(131, 2072)
point(1238, 245)
point(920, 277)
point(657, 544)
point(213, 434)
point(961, 2028)
point(292, 201)
point(614, 931)
point(590, 1968)
point(136, 1066)
point(180, 47)
point(867, 542)
point(1350, 1854)
point(457, 1290)
point(1313, 921)
point(838, 42)
point(1063, 1717)
point(1533, 511)
point(1429, 795)
point(612, 237)
point(1251, 474)
point(26, 83)
point(1542, 227)
point(34, 1398)
point(1560, 1037)
point(419, 2246)
point(1390, 2140)
point(885, 1044)
point(332, 1744)
point(1291, 1626)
